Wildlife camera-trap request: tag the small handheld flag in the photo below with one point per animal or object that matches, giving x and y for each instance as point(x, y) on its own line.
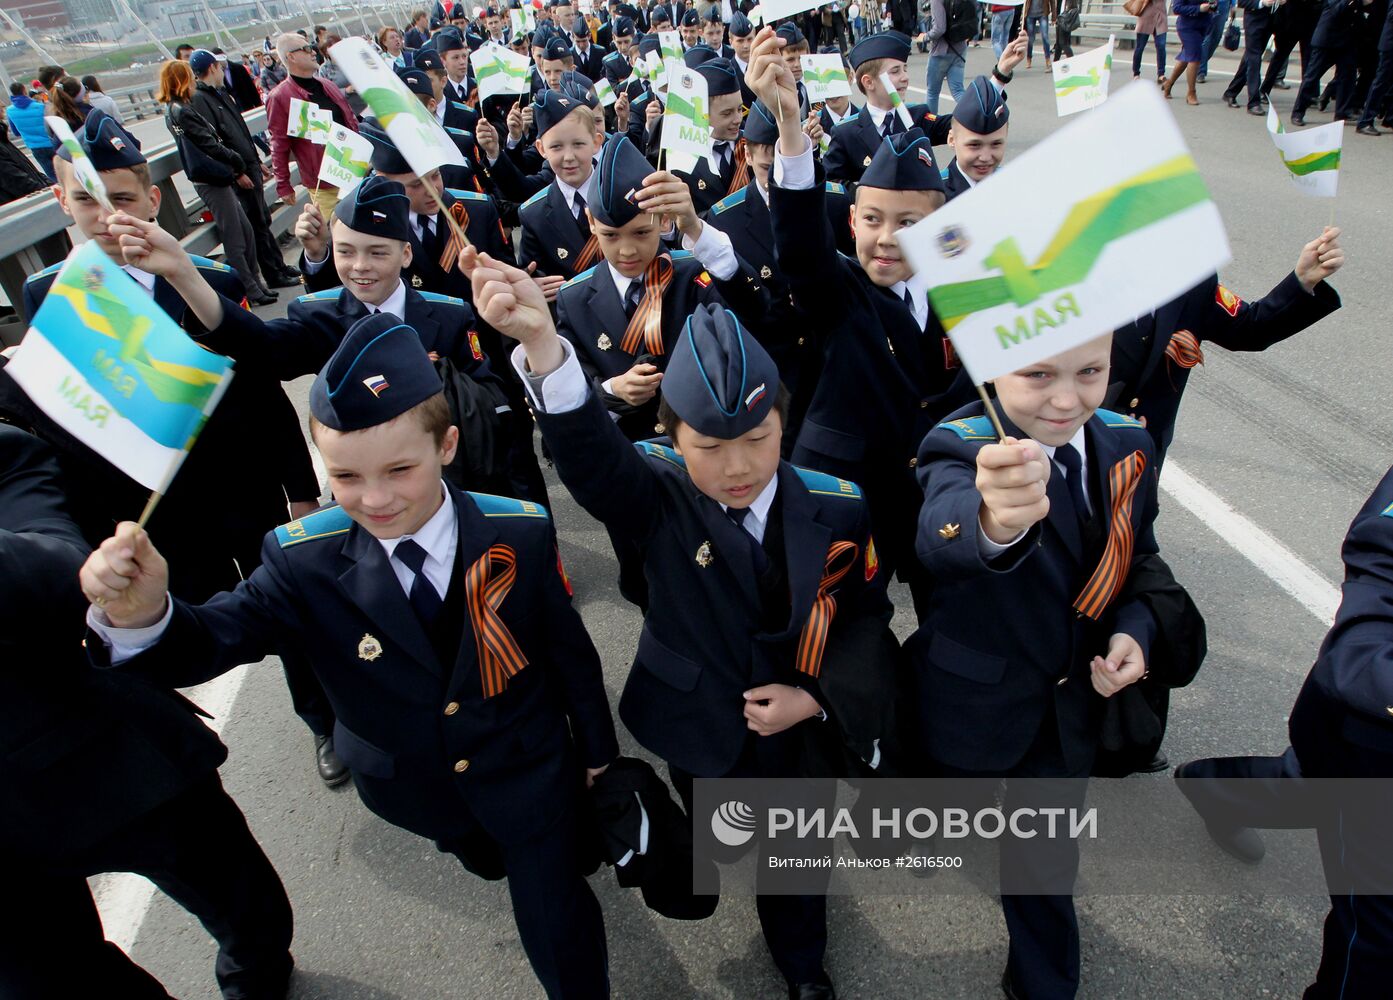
point(1311, 156)
point(87, 174)
point(896, 101)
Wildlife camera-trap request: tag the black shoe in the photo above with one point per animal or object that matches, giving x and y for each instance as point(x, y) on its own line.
point(1241, 842)
point(1368, 130)
point(330, 766)
point(1323, 103)
point(1008, 986)
point(1282, 85)
point(1297, 118)
point(263, 299)
point(290, 270)
point(821, 990)
point(1253, 109)
point(283, 281)
point(1230, 100)
point(1155, 764)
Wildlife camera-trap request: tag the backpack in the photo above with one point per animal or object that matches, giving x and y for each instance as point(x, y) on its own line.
point(962, 21)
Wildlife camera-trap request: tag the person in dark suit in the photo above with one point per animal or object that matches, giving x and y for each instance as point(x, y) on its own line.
point(977, 137)
point(588, 56)
point(1258, 17)
point(1050, 520)
point(1335, 43)
point(719, 515)
point(1340, 728)
point(713, 32)
point(469, 699)
point(418, 33)
point(791, 336)
point(455, 110)
point(742, 40)
point(645, 109)
point(796, 45)
point(104, 773)
point(624, 315)
point(888, 374)
point(1381, 85)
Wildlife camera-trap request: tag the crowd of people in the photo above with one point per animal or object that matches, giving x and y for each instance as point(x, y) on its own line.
point(733, 370)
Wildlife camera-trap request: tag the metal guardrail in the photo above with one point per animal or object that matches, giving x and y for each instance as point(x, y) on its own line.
point(33, 229)
point(1101, 18)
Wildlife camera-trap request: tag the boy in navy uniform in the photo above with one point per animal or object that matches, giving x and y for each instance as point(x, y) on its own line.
point(737, 547)
point(791, 336)
point(726, 115)
point(469, 698)
point(455, 112)
point(624, 315)
point(713, 33)
point(888, 374)
point(1341, 727)
point(977, 136)
point(1030, 540)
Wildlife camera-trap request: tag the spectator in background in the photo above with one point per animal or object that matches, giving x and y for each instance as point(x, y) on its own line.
point(1211, 40)
point(272, 73)
point(1037, 18)
point(1192, 23)
point(18, 177)
point(858, 23)
point(320, 46)
point(49, 75)
point(99, 99)
point(947, 59)
point(1151, 23)
point(389, 40)
point(419, 32)
point(1002, 16)
point(68, 101)
point(214, 168)
point(237, 82)
point(297, 55)
point(182, 52)
point(330, 71)
point(26, 120)
point(1065, 21)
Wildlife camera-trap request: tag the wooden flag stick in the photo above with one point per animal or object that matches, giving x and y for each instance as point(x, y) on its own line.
point(991, 412)
point(149, 508)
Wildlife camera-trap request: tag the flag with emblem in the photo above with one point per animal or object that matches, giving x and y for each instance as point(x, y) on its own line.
point(825, 77)
point(686, 124)
point(499, 70)
point(308, 120)
point(604, 93)
point(1014, 280)
point(523, 19)
point(670, 47)
point(1081, 82)
point(1311, 156)
point(87, 175)
point(114, 371)
point(414, 130)
point(347, 159)
point(897, 102)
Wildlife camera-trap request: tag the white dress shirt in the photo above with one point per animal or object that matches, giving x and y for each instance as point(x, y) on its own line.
point(918, 301)
point(569, 193)
point(145, 278)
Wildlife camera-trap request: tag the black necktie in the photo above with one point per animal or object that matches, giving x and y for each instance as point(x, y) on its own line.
point(425, 600)
point(1068, 456)
point(723, 160)
point(891, 124)
point(632, 298)
point(582, 223)
point(427, 231)
point(761, 558)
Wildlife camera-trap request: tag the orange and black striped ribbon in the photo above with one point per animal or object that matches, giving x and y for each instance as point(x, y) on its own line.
point(1184, 349)
point(589, 254)
point(486, 584)
point(453, 247)
point(841, 556)
point(646, 327)
point(741, 176)
point(1107, 579)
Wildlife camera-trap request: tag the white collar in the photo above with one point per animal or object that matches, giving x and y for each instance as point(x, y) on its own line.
point(759, 509)
point(440, 108)
point(146, 279)
point(744, 66)
point(836, 118)
point(918, 300)
point(621, 281)
point(878, 114)
point(1079, 441)
point(569, 193)
point(395, 304)
point(435, 535)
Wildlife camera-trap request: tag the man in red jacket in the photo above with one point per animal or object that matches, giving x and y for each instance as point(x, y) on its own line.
point(298, 57)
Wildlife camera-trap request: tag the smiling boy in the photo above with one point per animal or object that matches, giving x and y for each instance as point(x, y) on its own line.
point(977, 137)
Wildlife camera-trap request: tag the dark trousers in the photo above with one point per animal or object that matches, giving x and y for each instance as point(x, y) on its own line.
point(307, 695)
point(198, 850)
point(1289, 30)
point(1250, 69)
point(794, 926)
point(1379, 89)
point(268, 252)
point(1063, 43)
point(1346, 67)
point(1043, 959)
point(557, 916)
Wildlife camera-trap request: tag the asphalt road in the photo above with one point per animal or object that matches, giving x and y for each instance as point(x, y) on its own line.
point(1293, 440)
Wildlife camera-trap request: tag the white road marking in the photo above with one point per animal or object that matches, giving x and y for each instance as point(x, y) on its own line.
point(1271, 558)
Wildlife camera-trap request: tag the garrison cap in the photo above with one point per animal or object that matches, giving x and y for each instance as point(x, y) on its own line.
point(649, 44)
point(760, 126)
point(552, 106)
point(428, 59)
point(448, 40)
point(622, 27)
point(659, 12)
point(691, 19)
point(579, 28)
point(713, 15)
point(698, 54)
point(982, 109)
point(721, 77)
point(558, 48)
point(417, 81)
point(882, 45)
point(618, 179)
point(377, 207)
point(789, 32)
point(719, 379)
point(578, 87)
point(904, 162)
point(740, 26)
point(107, 144)
point(379, 371)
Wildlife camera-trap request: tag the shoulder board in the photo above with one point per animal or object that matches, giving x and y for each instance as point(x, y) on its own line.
point(537, 197)
point(680, 254)
point(833, 186)
point(323, 523)
point(440, 297)
point(51, 269)
point(729, 201)
point(1387, 511)
point(458, 104)
point(579, 278)
point(1111, 419)
point(661, 452)
point(208, 265)
point(640, 99)
point(973, 428)
point(460, 194)
point(616, 54)
point(327, 295)
point(943, 173)
point(827, 486)
point(459, 131)
point(492, 506)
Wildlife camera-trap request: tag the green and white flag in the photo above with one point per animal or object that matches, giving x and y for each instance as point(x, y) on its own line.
point(777, 10)
point(1129, 225)
point(347, 159)
point(686, 121)
point(756, 15)
point(414, 131)
point(498, 70)
point(1081, 83)
point(670, 45)
point(825, 76)
point(604, 92)
point(309, 121)
point(523, 20)
point(896, 101)
point(1311, 156)
point(87, 174)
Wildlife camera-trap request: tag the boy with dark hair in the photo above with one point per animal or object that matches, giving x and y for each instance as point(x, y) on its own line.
point(977, 137)
point(470, 703)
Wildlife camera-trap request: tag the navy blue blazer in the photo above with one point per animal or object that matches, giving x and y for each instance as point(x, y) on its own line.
point(702, 643)
point(1145, 383)
point(854, 142)
point(428, 752)
point(954, 183)
point(550, 235)
point(1001, 640)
